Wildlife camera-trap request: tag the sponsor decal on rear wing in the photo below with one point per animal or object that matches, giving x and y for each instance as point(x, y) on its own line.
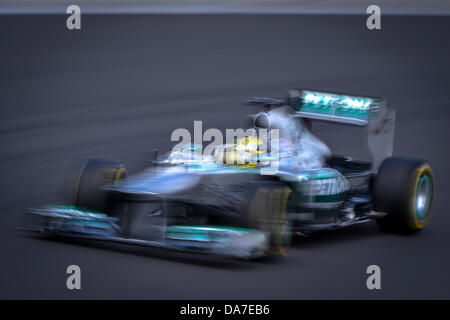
point(334, 107)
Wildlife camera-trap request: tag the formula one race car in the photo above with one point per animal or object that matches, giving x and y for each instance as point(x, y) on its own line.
point(245, 199)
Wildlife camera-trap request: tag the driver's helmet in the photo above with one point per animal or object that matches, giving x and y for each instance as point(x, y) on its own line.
point(244, 153)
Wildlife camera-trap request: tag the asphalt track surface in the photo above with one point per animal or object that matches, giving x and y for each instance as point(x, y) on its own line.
point(122, 84)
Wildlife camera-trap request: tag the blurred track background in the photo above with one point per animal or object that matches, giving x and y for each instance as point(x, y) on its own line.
point(422, 7)
point(123, 83)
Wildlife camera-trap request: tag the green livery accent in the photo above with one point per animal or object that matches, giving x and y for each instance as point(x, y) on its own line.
point(206, 228)
point(320, 188)
point(318, 174)
point(202, 233)
point(422, 209)
point(82, 212)
point(80, 209)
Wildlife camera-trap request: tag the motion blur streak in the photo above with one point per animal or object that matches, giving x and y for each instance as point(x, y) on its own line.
point(122, 84)
point(429, 7)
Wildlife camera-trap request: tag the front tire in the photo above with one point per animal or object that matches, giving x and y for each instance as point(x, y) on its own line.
point(404, 189)
point(94, 174)
point(267, 210)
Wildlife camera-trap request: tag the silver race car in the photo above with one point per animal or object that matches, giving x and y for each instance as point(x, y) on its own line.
point(245, 199)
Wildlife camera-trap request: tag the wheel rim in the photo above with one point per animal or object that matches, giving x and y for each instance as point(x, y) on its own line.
point(423, 196)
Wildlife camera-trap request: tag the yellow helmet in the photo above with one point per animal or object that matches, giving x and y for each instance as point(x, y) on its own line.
point(244, 152)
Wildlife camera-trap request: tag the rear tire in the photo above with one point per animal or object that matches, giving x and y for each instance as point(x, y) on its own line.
point(404, 189)
point(93, 174)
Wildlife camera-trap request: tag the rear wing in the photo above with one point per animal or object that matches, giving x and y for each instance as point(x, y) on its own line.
point(370, 113)
point(334, 107)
